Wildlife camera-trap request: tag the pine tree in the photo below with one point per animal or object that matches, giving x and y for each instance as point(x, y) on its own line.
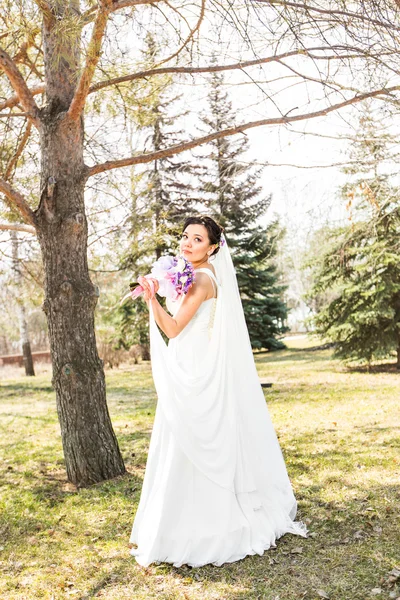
point(161, 193)
point(362, 264)
point(234, 197)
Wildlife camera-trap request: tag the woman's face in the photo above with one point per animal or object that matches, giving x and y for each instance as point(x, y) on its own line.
point(195, 243)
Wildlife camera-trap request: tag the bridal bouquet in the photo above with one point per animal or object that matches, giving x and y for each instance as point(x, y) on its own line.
point(174, 274)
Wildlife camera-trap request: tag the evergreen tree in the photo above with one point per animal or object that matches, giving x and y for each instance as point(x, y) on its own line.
point(362, 264)
point(234, 197)
point(161, 193)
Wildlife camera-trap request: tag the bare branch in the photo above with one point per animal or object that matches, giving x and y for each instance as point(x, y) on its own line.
point(331, 12)
point(182, 147)
point(19, 84)
point(12, 163)
point(41, 88)
point(17, 227)
point(93, 55)
point(189, 37)
point(94, 50)
point(89, 15)
point(18, 114)
point(127, 3)
point(217, 68)
point(14, 100)
point(17, 200)
point(293, 166)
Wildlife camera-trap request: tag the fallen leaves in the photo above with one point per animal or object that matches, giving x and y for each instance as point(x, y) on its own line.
point(389, 581)
point(394, 575)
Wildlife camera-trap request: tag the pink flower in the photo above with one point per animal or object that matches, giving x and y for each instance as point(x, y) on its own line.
point(175, 276)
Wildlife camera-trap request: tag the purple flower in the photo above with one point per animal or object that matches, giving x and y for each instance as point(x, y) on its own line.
point(174, 274)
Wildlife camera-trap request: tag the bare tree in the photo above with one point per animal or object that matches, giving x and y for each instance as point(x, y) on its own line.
point(71, 59)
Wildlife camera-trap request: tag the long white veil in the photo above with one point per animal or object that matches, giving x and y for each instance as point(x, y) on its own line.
point(218, 415)
point(263, 465)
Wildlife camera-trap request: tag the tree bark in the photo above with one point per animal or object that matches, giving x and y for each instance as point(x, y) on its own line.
point(145, 351)
point(28, 359)
point(90, 446)
point(398, 350)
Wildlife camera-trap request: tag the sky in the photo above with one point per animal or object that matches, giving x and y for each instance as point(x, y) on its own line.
point(305, 195)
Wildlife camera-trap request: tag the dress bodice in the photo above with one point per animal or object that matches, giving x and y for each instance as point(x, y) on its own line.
point(202, 320)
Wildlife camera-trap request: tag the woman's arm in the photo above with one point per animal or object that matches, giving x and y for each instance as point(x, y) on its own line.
point(172, 326)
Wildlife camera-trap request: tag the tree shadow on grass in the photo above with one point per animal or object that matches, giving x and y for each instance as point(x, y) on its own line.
point(23, 388)
point(46, 418)
point(374, 369)
point(343, 559)
point(352, 532)
point(293, 356)
point(326, 446)
point(287, 392)
point(49, 494)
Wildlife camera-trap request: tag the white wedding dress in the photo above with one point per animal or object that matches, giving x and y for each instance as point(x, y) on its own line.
point(216, 487)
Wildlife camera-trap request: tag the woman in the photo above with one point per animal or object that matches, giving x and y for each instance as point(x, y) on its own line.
point(216, 487)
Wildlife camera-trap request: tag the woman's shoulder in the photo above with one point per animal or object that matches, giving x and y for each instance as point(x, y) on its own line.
point(201, 279)
point(205, 280)
point(203, 270)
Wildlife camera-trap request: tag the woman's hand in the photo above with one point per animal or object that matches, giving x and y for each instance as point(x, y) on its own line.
point(150, 286)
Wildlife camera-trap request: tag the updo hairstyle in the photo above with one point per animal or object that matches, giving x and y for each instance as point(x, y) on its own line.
point(213, 229)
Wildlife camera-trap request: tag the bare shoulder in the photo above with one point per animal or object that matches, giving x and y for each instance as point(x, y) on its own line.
point(201, 280)
point(204, 284)
point(210, 267)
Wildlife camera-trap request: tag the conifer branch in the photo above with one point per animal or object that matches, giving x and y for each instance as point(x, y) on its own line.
point(44, 7)
point(16, 200)
point(17, 227)
point(92, 58)
point(14, 159)
point(14, 100)
point(20, 87)
point(17, 114)
point(182, 147)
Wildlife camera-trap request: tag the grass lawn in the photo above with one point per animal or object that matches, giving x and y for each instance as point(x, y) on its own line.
point(339, 432)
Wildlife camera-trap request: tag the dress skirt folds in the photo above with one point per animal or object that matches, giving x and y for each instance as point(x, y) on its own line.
point(216, 487)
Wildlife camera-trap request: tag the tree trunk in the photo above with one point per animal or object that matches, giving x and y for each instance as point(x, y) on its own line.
point(23, 325)
point(158, 204)
point(90, 447)
point(398, 351)
point(28, 359)
point(145, 348)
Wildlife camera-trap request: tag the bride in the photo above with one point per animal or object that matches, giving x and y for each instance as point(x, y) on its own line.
point(216, 487)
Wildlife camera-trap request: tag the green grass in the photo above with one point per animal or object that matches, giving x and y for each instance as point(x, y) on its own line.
point(339, 431)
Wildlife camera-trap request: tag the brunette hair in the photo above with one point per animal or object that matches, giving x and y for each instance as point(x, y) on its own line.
point(214, 230)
